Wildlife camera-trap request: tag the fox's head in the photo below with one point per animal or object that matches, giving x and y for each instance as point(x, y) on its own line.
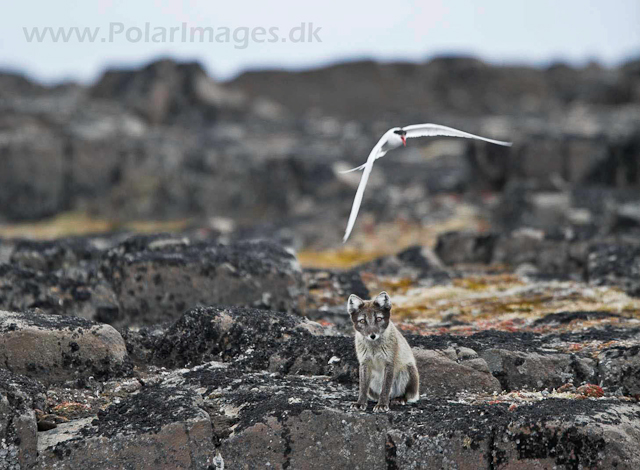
point(370, 317)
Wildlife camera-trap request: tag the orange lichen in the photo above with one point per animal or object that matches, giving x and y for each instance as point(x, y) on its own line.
point(591, 391)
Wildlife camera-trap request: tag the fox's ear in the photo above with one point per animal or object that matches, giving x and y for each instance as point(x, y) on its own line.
point(383, 301)
point(354, 304)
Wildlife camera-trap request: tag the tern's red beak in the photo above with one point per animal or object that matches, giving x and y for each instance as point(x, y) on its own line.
point(404, 140)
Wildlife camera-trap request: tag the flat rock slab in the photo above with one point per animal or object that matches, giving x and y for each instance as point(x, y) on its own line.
point(218, 412)
point(534, 371)
point(159, 282)
point(161, 427)
point(54, 348)
point(305, 422)
point(450, 371)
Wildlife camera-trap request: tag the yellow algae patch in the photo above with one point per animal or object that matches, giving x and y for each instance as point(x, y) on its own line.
point(478, 283)
point(340, 259)
point(80, 223)
point(392, 237)
point(69, 223)
point(510, 300)
point(396, 286)
point(374, 239)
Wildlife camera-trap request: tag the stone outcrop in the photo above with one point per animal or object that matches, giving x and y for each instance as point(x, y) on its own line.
point(166, 90)
point(451, 371)
point(147, 279)
point(416, 263)
point(160, 282)
point(55, 348)
point(619, 369)
point(535, 371)
point(600, 262)
point(164, 427)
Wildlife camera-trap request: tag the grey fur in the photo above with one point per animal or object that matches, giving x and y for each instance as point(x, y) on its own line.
point(387, 366)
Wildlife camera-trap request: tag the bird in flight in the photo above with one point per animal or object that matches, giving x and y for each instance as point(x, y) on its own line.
point(392, 139)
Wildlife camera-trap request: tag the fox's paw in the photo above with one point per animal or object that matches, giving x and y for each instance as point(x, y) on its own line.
point(358, 406)
point(380, 408)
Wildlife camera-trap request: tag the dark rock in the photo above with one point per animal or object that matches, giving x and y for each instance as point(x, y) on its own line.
point(142, 342)
point(71, 148)
point(19, 396)
point(277, 419)
point(46, 425)
point(54, 348)
point(550, 257)
point(615, 264)
point(418, 263)
point(146, 279)
point(351, 283)
point(610, 262)
point(604, 334)
point(18, 84)
point(73, 257)
point(627, 216)
point(54, 293)
point(534, 371)
point(23, 289)
point(452, 371)
point(165, 90)
point(568, 317)
point(465, 247)
point(32, 174)
point(516, 341)
point(443, 85)
point(262, 337)
point(162, 424)
point(619, 369)
point(343, 283)
point(289, 442)
point(159, 283)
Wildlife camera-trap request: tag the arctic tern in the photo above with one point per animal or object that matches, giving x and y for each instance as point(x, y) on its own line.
point(392, 139)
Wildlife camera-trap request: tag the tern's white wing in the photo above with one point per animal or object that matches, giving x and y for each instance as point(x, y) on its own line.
point(358, 168)
point(363, 183)
point(429, 130)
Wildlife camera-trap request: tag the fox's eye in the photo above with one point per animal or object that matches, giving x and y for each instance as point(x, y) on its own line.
point(378, 319)
point(362, 320)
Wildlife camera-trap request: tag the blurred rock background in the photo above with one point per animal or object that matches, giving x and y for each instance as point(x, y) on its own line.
point(258, 156)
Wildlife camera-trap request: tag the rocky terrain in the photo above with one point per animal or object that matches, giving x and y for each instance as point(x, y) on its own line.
point(112, 357)
point(173, 286)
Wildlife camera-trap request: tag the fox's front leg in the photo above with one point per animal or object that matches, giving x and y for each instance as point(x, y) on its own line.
point(383, 400)
point(365, 382)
